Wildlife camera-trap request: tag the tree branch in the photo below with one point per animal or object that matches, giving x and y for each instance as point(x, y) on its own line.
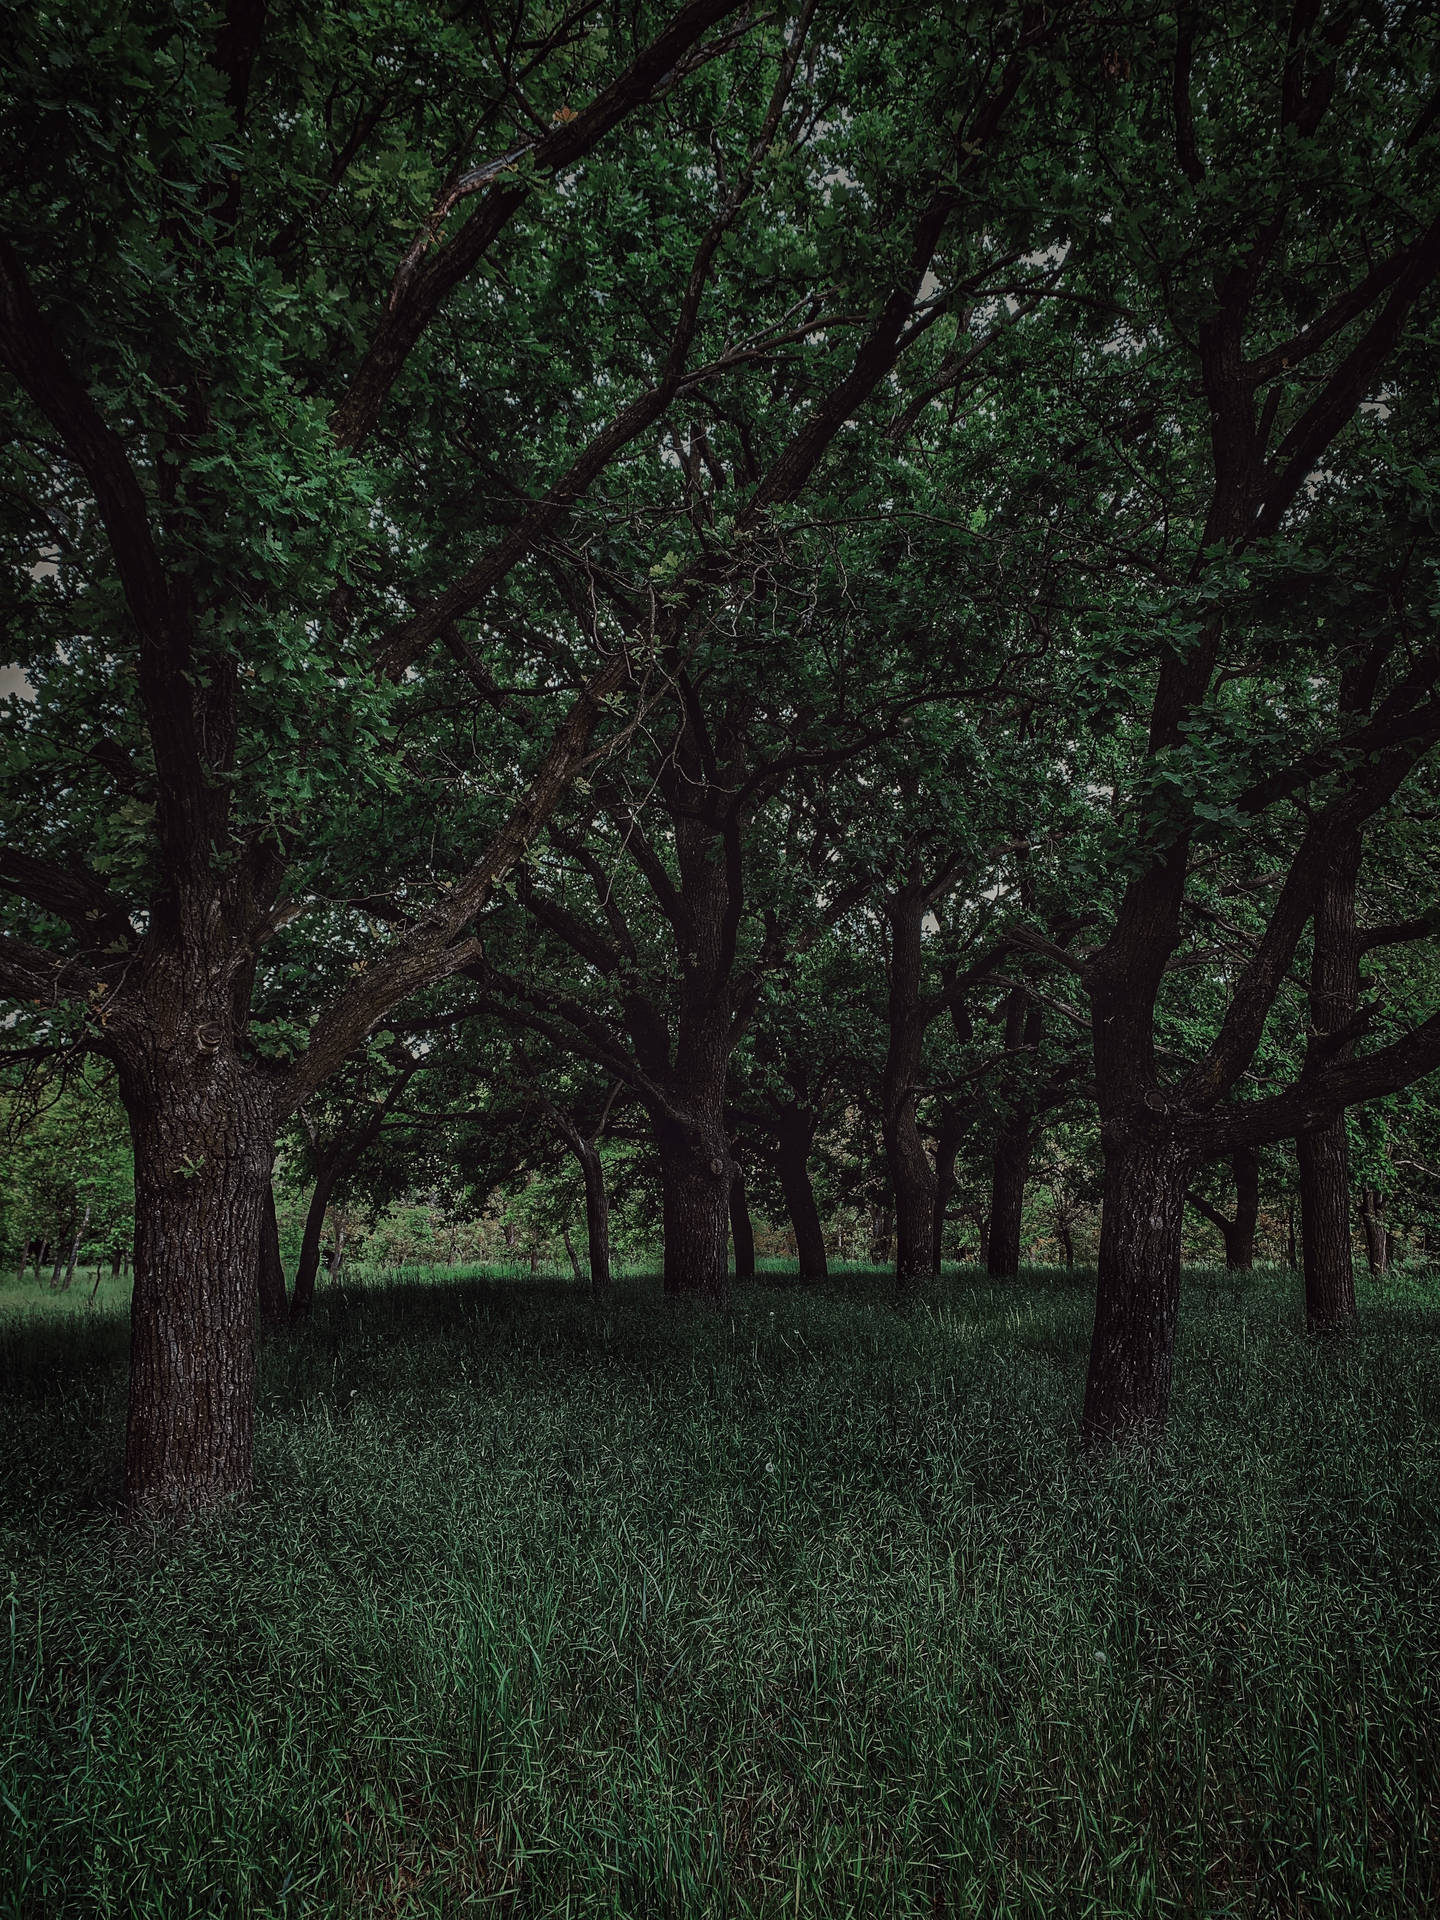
point(432, 267)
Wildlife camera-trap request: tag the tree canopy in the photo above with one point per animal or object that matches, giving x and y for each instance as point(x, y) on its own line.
point(834, 584)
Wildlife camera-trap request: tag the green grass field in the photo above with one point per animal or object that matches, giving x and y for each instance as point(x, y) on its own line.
point(809, 1608)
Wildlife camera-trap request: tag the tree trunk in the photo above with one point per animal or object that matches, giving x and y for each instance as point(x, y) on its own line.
point(1010, 1168)
point(1324, 1155)
point(597, 1214)
point(75, 1251)
point(742, 1233)
point(302, 1299)
point(1127, 1393)
point(882, 1234)
point(274, 1307)
point(796, 1131)
point(954, 1124)
point(912, 1178)
point(570, 1253)
point(1377, 1239)
point(204, 1146)
point(337, 1249)
point(913, 1181)
point(1324, 1158)
point(695, 1175)
point(1240, 1234)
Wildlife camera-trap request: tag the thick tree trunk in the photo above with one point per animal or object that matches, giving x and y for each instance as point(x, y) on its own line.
point(204, 1145)
point(1009, 1170)
point(792, 1164)
point(1127, 1393)
point(302, 1298)
point(1324, 1158)
point(742, 1233)
point(695, 1178)
point(1240, 1235)
point(913, 1181)
point(274, 1307)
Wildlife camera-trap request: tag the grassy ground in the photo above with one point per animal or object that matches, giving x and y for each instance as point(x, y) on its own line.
point(809, 1608)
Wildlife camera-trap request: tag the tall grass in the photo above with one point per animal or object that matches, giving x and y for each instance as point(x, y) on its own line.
point(807, 1608)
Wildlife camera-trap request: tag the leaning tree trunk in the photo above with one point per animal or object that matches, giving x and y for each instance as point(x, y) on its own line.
point(1127, 1393)
point(75, 1251)
point(742, 1232)
point(302, 1298)
point(597, 1213)
point(274, 1306)
point(203, 1135)
point(1324, 1158)
point(1009, 1170)
point(792, 1164)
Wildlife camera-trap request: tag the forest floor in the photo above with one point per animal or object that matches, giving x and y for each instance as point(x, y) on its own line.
point(810, 1607)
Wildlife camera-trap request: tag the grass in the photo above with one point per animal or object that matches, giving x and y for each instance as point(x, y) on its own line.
point(809, 1608)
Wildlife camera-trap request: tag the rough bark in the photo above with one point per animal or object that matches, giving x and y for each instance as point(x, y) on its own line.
point(203, 1134)
point(1009, 1171)
point(1240, 1238)
point(1324, 1158)
point(274, 1306)
point(696, 1174)
point(795, 1135)
point(1127, 1393)
point(742, 1232)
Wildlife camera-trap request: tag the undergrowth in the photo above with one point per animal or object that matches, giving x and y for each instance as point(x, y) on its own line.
point(808, 1608)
